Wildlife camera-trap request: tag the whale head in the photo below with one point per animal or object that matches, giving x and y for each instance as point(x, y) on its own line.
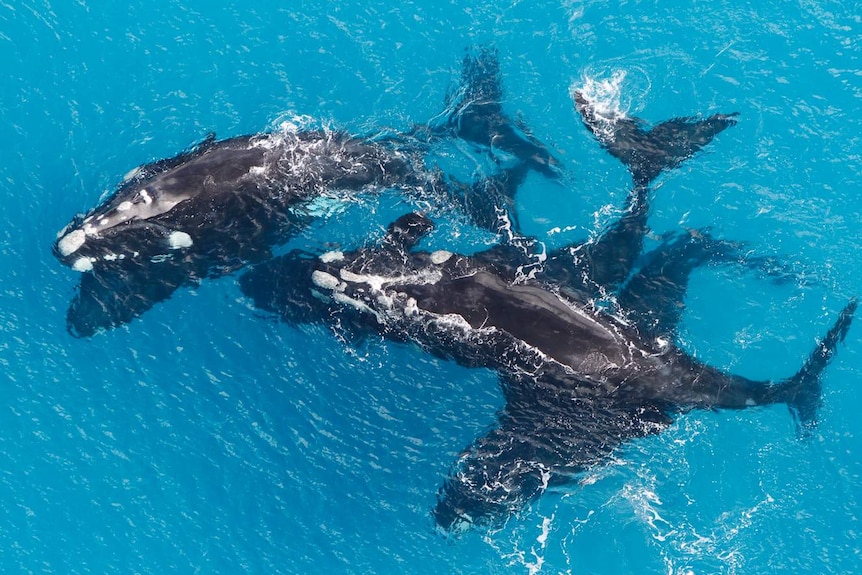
point(126, 226)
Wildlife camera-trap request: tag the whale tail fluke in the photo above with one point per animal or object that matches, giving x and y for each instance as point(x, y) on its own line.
point(474, 112)
point(647, 152)
point(805, 387)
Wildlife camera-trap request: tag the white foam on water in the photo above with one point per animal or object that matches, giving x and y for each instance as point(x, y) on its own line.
point(603, 94)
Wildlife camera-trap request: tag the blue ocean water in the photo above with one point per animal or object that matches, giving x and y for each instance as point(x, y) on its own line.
point(207, 438)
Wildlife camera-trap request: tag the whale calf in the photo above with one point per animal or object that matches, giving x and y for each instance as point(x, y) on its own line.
point(223, 204)
point(578, 380)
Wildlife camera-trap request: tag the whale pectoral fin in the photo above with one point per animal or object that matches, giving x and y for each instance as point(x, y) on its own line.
point(535, 446)
point(490, 202)
point(654, 296)
point(475, 113)
point(109, 297)
point(647, 152)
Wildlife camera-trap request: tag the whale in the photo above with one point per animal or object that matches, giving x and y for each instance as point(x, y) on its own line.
point(223, 204)
point(578, 382)
point(579, 379)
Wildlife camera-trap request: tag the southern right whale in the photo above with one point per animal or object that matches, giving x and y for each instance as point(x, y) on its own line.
point(578, 380)
point(209, 211)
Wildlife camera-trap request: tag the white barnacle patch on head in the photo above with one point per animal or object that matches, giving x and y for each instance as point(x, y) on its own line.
point(440, 256)
point(124, 206)
point(333, 256)
point(662, 342)
point(83, 264)
point(71, 242)
point(145, 195)
point(178, 240)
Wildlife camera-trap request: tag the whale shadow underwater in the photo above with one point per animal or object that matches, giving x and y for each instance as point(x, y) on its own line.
point(578, 380)
point(224, 204)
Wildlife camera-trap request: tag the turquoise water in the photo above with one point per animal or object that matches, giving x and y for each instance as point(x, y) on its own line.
point(205, 438)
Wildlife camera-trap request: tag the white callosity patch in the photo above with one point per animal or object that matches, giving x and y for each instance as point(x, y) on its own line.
point(376, 282)
point(356, 304)
point(334, 256)
point(326, 281)
point(132, 173)
point(376, 296)
point(124, 206)
point(440, 257)
point(71, 242)
point(83, 264)
point(178, 240)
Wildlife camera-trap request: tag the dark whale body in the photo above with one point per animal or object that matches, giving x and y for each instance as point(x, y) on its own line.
point(224, 204)
point(578, 380)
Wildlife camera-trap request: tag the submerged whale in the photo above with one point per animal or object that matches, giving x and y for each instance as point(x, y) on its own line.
point(578, 380)
point(224, 204)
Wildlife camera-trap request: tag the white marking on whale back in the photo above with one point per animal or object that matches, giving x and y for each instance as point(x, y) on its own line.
point(178, 240)
point(71, 242)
